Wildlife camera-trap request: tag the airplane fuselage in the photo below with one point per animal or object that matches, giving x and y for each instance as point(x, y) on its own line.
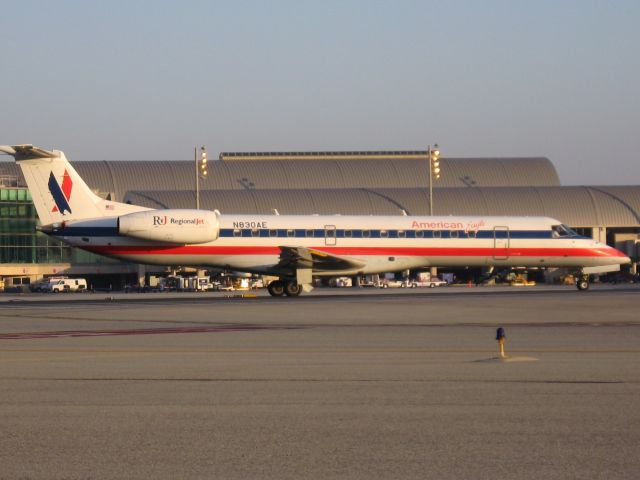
point(253, 243)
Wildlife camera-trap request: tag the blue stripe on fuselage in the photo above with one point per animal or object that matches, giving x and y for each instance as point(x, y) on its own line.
point(71, 231)
point(375, 233)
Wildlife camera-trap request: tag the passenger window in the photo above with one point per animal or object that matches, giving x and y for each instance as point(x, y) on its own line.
point(291, 233)
point(437, 234)
point(347, 234)
point(402, 234)
point(309, 233)
point(471, 234)
point(454, 234)
point(384, 234)
point(255, 232)
point(330, 233)
point(366, 233)
point(273, 233)
point(237, 232)
point(419, 233)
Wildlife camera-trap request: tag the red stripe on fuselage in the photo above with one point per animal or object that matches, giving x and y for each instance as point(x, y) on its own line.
point(361, 251)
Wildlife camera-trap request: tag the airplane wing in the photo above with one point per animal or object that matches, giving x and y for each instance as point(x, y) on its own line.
point(301, 257)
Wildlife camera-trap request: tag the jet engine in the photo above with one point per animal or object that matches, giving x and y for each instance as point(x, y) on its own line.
point(172, 226)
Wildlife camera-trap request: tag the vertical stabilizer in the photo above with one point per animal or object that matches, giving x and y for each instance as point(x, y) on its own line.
point(59, 193)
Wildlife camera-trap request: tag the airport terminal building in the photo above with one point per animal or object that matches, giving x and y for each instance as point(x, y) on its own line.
point(347, 183)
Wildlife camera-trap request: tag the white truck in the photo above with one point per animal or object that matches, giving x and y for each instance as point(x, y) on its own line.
point(64, 285)
point(431, 283)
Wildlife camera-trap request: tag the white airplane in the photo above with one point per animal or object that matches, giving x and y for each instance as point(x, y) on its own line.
point(296, 248)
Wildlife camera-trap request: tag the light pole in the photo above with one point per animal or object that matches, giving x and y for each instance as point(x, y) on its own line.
point(433, 156)
point(201, 170)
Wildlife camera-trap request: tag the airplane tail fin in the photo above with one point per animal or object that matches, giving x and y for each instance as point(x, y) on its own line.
point(58, 192)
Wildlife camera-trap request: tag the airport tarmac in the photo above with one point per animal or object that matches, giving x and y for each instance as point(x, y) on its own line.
point(353, 385)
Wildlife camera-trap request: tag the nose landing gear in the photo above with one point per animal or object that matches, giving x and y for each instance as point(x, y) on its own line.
point(583, 282)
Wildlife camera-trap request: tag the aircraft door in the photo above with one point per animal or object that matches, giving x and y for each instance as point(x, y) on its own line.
point(329, 234)
point(500, 243)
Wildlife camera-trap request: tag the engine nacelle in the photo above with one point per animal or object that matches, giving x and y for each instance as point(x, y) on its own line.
point(173, 226)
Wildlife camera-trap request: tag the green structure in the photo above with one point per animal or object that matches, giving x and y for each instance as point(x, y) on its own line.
point(21, 243)
point(27, 255)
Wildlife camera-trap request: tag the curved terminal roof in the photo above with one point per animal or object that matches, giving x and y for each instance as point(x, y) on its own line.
point(365, 183)
point(575, 206)
point(313, 170)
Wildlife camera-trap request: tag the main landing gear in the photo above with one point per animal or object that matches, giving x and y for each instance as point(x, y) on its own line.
point(583, 282)
point(290, 288)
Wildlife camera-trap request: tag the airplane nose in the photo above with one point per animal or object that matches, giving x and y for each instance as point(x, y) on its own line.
point(618, 256)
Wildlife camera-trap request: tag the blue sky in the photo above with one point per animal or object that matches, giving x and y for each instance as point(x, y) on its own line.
point(152, 79)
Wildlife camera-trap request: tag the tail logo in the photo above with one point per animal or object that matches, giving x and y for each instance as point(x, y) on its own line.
point(61, 193)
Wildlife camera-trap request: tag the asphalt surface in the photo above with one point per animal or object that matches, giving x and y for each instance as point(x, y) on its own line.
point(367, 385)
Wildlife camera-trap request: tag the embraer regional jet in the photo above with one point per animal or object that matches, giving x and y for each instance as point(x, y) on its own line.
point(296, 248)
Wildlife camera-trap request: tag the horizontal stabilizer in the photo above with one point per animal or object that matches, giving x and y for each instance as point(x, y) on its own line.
point(27, 152)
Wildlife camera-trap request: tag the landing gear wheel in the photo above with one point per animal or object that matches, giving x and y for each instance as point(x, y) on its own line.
point(292, 289)
point(583, 282)
point(276, 288)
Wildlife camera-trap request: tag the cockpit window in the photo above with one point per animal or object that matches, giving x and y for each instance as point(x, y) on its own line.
point(563, 231)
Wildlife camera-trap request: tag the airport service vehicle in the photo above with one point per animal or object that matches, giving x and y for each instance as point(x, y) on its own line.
point(296, 248)
point(392, 283)
point(65, 285)
point(521, 281)
point(434, 282)
point(43, 285)
point(341, 282)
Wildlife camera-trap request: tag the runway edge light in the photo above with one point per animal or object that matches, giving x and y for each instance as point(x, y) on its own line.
point(500, 337)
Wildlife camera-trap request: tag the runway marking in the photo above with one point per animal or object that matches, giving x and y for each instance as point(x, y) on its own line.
point(311, 350)
point(323, 380)
point(139, 331)
point(74, 358)
point(208, 323)
point(67, 318)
